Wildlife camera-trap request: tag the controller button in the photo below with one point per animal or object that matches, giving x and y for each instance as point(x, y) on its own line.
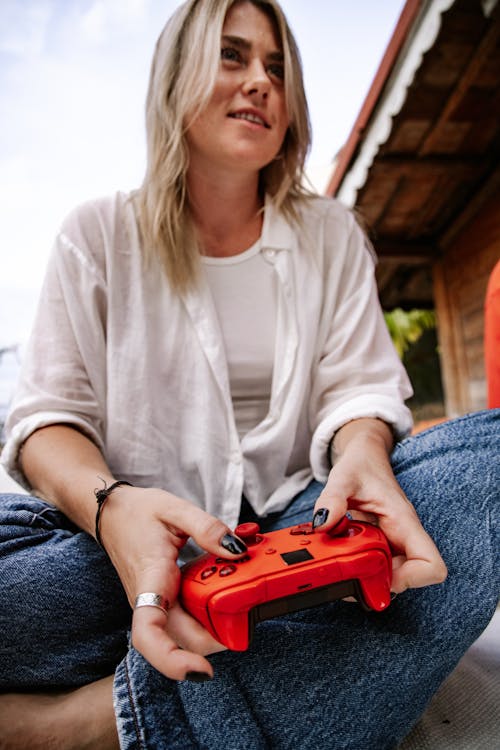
point(224, 560)
point(354, 530)
point(245, 558)
point(208, 572)
point(304, 542)
point(302, 528)
point(270, 551)
point(248, 533)
point(341, 528)
point(227, 570)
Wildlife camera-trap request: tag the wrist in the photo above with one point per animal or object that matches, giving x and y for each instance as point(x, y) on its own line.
point(102, 494)
point(362, 435)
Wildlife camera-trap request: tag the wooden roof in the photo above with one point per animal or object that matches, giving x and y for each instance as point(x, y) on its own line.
point(440, 161)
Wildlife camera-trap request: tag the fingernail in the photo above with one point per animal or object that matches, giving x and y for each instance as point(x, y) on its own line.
point(197, 677)
point(233, 544)
point(320, 517)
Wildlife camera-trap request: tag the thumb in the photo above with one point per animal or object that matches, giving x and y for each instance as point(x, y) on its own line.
point(332, 504)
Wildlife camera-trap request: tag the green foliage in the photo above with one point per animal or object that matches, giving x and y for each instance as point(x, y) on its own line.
point(406, 328)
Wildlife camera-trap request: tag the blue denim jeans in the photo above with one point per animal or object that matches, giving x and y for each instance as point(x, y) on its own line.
point(333, 677)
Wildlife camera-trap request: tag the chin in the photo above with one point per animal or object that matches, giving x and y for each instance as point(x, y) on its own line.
point(253, 162)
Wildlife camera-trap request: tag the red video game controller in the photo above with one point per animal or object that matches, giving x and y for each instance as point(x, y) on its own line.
point(286, 571)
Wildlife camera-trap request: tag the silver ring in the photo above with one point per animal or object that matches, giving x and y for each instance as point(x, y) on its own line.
point(149, 599)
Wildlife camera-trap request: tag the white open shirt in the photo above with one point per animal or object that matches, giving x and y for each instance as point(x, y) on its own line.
point(142, 371)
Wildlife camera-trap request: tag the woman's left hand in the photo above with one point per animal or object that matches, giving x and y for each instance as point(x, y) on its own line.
point(362, 482)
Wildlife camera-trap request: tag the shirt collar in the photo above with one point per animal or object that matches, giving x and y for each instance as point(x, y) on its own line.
point(277, 232)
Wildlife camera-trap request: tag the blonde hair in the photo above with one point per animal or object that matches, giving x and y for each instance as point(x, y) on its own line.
point(182, 78)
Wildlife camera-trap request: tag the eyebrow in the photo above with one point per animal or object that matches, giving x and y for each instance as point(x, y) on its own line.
point(241, 43)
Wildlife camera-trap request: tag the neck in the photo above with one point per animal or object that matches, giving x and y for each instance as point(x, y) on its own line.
point(226, 213)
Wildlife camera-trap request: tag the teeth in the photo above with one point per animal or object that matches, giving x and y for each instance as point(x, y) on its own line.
point(251, 118)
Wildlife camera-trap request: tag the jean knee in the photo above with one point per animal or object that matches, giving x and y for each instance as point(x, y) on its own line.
point(472, 437)
point(65, 614)
point(26, 520)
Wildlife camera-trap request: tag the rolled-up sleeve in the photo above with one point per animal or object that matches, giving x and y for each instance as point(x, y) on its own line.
point(358, 373)
point(63, 373)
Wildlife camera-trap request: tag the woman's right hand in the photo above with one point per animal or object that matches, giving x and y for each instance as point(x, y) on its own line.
point(143, 531)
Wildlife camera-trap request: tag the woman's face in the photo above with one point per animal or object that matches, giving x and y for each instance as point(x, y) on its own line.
point(243, 126)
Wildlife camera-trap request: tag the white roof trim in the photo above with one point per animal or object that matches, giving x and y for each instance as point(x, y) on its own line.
point(422, 37)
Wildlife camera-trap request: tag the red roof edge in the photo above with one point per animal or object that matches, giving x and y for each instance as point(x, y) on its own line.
point(403, 26)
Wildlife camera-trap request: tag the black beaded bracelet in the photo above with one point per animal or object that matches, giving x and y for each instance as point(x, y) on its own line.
point(101, 497)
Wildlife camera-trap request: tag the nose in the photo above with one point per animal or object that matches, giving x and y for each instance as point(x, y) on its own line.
point(257, 82)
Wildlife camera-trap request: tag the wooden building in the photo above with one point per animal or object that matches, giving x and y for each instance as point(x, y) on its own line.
point(421, 166)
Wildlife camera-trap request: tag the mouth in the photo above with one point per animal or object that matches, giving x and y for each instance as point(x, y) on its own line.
point(250, 117)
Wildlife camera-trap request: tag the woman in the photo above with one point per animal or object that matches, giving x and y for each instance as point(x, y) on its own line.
point(205, 351)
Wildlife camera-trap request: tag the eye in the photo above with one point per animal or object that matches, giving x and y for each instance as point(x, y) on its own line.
point(277, 70)
point(229, 54)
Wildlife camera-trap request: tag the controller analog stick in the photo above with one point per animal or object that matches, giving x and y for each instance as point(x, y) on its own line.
point(340, 528)
point(248, 533)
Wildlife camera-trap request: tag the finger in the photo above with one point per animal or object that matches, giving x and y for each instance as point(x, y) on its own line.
point(420, 567)
point(207, 531)
point(151, 639)
point(172, 641)
point(332, 504)
point(359, 515)
point(189, 634)
point(419, 562)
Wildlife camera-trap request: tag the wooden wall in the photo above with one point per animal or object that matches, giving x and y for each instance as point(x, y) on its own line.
point(460, 280)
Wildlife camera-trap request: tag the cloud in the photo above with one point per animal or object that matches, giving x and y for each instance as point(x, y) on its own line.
point(23, 26)
point(105, 17)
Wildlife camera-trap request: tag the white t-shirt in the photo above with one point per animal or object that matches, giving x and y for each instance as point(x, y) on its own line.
point(244, 289)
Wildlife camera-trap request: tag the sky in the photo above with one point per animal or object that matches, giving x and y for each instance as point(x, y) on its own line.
point(73, 79)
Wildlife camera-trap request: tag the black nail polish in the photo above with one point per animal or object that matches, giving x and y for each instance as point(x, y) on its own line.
point(233, 544)
point(320, 517)
point(197, 677)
